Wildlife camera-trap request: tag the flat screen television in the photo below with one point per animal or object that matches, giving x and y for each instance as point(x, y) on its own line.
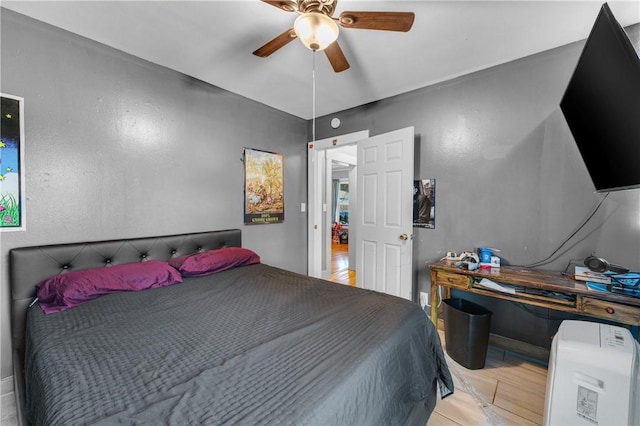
point(602, 106)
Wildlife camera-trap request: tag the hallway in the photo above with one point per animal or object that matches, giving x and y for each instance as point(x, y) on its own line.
point(340, 272)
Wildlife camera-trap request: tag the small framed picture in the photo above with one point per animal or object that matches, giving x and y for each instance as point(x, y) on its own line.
point(424, 203)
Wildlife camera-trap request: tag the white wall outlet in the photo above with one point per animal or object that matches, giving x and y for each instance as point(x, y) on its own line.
point(424, 299)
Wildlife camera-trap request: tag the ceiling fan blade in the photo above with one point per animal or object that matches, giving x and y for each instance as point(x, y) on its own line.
point(287, 6)
point(387, 21)
point(275, 44)
point(336, 57)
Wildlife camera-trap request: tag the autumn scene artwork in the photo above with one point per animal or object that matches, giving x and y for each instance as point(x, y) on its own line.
point(263, 187)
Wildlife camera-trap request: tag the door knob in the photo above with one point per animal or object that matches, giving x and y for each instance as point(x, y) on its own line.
point(404, 237)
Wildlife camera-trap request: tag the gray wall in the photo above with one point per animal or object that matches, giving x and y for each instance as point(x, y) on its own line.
point(508, 174)
point(119, 147)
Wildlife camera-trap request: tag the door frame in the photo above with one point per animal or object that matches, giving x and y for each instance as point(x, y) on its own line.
point(318, 231)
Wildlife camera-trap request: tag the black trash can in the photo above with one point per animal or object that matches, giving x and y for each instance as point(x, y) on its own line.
point(466, 332)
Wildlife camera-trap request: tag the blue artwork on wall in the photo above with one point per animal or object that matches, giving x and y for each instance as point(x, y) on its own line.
point(12, 197)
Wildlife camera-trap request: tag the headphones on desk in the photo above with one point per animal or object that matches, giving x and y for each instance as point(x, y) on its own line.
point(598, 264)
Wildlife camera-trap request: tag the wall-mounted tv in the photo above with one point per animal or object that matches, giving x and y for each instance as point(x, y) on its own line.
point(602, 106)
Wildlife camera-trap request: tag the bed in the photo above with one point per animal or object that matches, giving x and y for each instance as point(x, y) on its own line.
point(249, 344)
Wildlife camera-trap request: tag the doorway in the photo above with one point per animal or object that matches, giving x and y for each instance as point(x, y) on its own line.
point(380, 224)
point(339, 153)
point(342, 268)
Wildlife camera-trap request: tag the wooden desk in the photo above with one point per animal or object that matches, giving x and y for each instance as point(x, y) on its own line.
point(536, 287)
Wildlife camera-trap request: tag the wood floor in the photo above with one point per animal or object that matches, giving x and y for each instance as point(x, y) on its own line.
point(340, 272)
point(8, 416)
point(509, 390)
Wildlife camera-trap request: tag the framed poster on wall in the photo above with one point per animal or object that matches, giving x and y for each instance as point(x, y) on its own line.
point(424, 203)
point(263, 187)
point(12, 195)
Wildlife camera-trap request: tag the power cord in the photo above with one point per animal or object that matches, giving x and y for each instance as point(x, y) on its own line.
point(550, 258)
point(566, 272)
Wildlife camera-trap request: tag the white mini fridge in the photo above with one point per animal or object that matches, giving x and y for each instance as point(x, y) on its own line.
point(593, 376)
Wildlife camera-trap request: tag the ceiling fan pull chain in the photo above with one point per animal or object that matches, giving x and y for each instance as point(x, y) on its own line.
point(313, 95)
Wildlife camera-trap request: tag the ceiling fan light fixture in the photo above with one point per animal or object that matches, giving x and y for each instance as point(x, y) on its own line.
point(316, 30)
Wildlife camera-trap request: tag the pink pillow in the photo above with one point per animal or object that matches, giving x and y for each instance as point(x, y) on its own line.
point(65, 291)
point(212, 261)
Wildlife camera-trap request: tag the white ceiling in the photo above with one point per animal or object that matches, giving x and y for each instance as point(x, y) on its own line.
point(213, 41)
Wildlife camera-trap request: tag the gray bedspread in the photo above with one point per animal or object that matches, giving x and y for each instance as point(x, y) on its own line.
point(253, 345)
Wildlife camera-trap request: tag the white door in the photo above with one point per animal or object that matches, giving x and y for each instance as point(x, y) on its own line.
point(385, 202)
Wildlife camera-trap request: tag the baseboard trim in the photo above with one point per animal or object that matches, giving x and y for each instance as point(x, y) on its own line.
point(527, 349)
point(6, 385)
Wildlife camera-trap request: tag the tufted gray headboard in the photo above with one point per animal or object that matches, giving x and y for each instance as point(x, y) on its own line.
point(31, 265)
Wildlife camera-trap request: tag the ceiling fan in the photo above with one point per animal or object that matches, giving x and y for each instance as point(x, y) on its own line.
point(318, 29)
